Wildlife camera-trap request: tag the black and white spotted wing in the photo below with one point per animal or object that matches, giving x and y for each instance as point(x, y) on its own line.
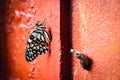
point(37, 43)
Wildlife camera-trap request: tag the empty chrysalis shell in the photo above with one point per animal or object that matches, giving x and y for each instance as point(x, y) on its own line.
point(85, 61)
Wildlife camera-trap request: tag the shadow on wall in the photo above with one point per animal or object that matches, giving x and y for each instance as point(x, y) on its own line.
point(66, 40)
point(3, 43)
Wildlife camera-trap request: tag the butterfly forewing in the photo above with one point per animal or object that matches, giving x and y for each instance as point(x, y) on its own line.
point(36, 44)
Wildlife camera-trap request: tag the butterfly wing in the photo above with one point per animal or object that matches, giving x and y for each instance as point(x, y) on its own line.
point(36, 45)
point(47, 36)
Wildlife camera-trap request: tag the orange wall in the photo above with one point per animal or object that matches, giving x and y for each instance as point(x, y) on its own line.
point(21, 18)
point(96, 33)
point(92, 27)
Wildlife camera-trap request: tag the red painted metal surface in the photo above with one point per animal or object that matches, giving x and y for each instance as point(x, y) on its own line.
point(21, 17)
point(96, 33)
point(91, 27)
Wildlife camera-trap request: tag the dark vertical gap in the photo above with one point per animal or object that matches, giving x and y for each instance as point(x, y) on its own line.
point(3, 43)
point(66, 42)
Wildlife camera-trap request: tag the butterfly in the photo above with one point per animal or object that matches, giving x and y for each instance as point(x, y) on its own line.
point(37, 43)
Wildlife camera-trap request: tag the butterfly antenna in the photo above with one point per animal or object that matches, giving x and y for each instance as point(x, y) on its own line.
point(44, 21)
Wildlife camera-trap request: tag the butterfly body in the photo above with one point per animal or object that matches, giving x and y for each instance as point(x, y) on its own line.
point(37, 43)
